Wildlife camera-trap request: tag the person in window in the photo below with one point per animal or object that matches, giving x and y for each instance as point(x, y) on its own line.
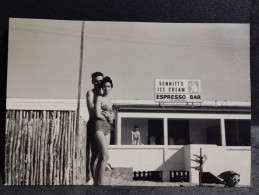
point(103, 126)
point(135, 136)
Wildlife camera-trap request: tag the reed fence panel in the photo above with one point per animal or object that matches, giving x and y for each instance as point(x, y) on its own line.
point(41, 148)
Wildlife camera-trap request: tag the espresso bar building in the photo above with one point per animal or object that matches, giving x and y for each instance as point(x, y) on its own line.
point(172, 134)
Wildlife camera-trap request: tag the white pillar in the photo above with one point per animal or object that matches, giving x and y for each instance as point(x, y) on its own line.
point(165, 131)
point(118, 130)
point(222, 132)
point(166, 172)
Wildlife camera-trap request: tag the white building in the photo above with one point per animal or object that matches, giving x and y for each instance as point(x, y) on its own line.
point(221, 129)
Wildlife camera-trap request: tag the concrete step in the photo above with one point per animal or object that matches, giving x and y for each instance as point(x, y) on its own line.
point(118, 173)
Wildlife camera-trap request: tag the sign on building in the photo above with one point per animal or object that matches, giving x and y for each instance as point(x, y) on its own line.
point(169, 90)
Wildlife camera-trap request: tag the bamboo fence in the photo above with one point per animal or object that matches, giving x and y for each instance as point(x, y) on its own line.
point(41, 148)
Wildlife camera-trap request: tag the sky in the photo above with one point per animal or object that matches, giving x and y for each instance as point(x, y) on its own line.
point(44, 56)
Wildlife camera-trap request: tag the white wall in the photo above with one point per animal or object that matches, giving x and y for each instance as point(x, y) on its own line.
point(140, 159)
point(174, 159)
point(148, 158)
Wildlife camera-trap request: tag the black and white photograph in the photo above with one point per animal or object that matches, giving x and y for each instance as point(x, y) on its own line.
point(128, 104)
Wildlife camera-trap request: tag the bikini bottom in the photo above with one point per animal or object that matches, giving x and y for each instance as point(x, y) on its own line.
point(104, 126)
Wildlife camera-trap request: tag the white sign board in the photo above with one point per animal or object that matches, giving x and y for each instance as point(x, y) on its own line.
point(169, 90)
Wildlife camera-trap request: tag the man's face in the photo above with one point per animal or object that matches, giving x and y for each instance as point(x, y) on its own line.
point(97, 81)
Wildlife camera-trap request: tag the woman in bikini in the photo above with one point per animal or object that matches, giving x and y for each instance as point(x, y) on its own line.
point(103, 125)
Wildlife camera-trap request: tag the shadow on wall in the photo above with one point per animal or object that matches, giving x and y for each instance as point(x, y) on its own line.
point(175, 162)
point(162, 172)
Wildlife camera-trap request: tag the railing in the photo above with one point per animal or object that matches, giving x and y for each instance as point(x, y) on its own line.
point(148, 175)
point(179, 176)
point(41, 148)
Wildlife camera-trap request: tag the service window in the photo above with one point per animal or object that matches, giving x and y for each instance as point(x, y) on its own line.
point(193, 131)
point(178, 132)
point(238, 132)
point(142, 131)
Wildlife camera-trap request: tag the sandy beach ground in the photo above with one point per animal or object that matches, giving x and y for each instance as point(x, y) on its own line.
point(118, 182)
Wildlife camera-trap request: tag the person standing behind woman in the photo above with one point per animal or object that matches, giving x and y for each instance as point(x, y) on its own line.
point(91, 96)
point(103, 125)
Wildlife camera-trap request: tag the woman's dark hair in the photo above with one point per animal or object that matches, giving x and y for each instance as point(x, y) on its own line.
point(105, 80)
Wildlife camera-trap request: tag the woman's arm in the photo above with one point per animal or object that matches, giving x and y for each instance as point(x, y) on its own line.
point(98, 109)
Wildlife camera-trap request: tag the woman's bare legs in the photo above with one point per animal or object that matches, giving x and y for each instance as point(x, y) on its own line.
point(103, 145)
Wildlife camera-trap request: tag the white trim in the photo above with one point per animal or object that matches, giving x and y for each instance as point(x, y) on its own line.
point(215, 103)
point(136, 147)
point(237, 148)
point(184, 115)
point(222, 132)
point(173, 147)
point(48, 104)
point(43, 104)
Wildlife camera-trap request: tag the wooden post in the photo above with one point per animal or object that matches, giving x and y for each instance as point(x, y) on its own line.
point(12, 149)
point(41, 149)
point(34, 149)
point(66, 171)
point(79, 84)
point(17, 154)
point(51, 151)
point(74, 149)
point(47, 154)
point(68, 149)
point(60, 164)
point(33, 116)
point(56, 149)
point(59, 148)
point(201, 168)
point(37, 145)
point(22, 148)
point(13, 140)
point(29, 156)
point(8, 134)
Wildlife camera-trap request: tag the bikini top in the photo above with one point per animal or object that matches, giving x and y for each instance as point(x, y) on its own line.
point(106, 107)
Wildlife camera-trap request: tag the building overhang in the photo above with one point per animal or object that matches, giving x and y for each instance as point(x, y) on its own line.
point(183, 109)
